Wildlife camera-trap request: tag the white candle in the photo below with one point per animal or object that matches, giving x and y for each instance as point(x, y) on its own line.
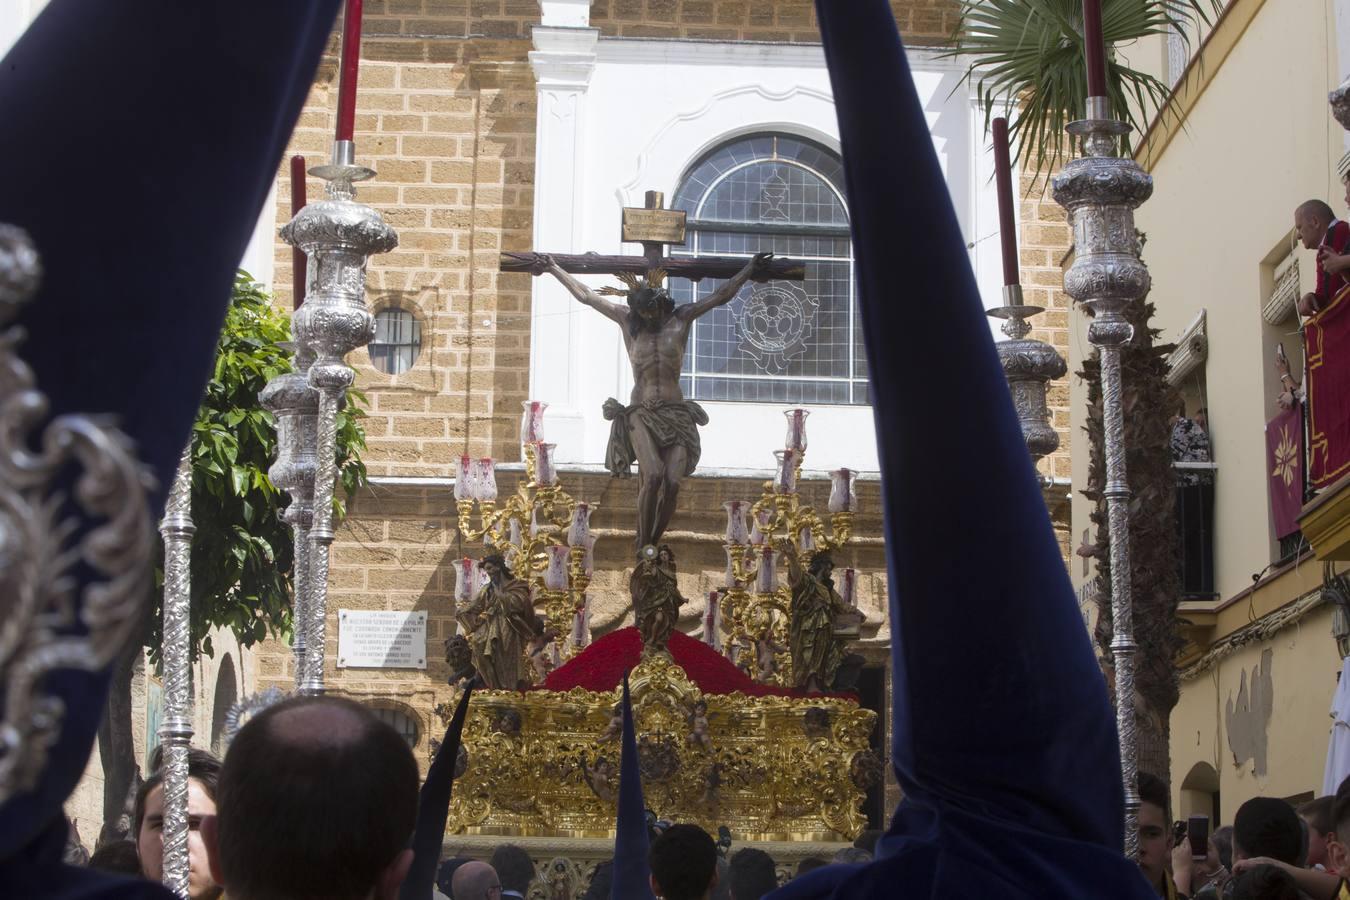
point(532, 422)
point(485, 481)
point(580, 529)
point(842, 492)
point(766, 579)
point(796, 428)
point(464, 487)
point(848, 586)
point(729, 581)
point(588, 561)
point(581, 624)
point(544, 473)
point(785, 481)
point(806, 540)
point(737, 532)
point(555, 575)
point(758, 535)
point(466, 579)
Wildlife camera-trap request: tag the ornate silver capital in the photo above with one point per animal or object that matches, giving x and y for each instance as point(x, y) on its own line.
point(338, 235)
point(51, 619)
point(1029, 366)
point(1100, 191)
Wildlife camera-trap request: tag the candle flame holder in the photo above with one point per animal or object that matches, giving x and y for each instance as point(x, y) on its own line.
point(536, 526)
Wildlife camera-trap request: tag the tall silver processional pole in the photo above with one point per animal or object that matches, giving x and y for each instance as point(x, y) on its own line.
point(175, 730)
point(1101, 191)
point(338, 235)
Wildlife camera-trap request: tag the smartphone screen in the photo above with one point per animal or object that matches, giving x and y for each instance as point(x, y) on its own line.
point(1197, 829)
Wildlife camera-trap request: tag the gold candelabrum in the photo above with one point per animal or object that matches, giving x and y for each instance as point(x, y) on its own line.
point(543, 533)
point(755, 604)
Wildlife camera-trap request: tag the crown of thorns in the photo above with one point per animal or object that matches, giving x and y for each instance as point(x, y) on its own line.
point(655, 278)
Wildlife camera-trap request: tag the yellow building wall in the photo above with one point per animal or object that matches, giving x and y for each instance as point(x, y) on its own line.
point(1303, 666)
point(1259, 140)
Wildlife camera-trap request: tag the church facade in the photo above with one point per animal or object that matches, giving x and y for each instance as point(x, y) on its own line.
point(515, 125)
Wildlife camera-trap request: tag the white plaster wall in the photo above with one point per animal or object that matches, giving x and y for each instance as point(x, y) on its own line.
point(15, 17)
point(650, 109)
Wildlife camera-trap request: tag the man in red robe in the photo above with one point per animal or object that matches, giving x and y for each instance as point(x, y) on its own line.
point(1320, 230)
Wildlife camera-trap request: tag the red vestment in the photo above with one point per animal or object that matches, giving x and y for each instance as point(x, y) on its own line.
point(1337, 240)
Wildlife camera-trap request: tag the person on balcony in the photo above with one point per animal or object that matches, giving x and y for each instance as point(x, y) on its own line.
point(1195, 501)
point(1319, 229)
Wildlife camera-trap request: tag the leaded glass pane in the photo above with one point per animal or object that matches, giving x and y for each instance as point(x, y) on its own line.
point(397, 343)
point(780, 342)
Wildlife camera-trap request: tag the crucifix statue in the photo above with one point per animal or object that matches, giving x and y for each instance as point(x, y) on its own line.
point(658, 428)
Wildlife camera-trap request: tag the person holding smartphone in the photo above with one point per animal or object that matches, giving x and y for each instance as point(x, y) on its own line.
point(1196, 869)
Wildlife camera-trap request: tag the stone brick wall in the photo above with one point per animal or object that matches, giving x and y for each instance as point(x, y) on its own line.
point(925, 22)
point(448, 125)
point(1043, 239)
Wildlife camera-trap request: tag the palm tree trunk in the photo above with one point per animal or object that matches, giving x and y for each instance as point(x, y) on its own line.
point(1154, 553)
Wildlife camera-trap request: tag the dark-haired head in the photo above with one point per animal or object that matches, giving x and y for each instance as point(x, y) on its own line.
point(752, 874)
point(317, 798)
point(514, 867)
point(648, 308)
point(1263, 883)
point(1266, 826)
point(683, 861)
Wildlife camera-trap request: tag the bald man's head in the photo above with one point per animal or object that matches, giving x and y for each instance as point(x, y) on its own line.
point(317, 799)
point(1312, 218)
point(473, 881)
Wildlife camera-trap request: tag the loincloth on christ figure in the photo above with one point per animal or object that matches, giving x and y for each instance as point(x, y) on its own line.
point(669, 423)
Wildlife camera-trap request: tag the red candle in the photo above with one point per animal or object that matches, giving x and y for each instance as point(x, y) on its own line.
point(299, 264)
point(351, 60)
point(1007, 228)
point(1094, 47)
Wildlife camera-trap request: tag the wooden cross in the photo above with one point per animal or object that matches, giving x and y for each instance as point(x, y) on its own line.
point(653, 227)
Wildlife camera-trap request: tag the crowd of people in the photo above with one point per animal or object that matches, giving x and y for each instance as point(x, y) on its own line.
point(1271, 851)
point(267, 822)
point(289, 833)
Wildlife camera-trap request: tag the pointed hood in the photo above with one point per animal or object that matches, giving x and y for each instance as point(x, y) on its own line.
point(141, 139)
point(632, 871)
point(1004, 741)
point(433, 808)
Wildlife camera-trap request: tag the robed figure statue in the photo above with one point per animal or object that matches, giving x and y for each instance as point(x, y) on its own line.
point(656, 598)
point(498, 623)
point(817, 651)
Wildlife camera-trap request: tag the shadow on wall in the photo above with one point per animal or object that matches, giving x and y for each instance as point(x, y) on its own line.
point(1247, 719)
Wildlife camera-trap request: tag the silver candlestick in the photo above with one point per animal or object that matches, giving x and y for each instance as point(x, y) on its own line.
point(175, 730)
point(296, 406)
point(1101, 191)
point(338, 235)
point(1028, 365)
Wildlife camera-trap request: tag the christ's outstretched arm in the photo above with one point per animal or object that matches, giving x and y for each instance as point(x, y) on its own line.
point(616, 311)
point(754, 269)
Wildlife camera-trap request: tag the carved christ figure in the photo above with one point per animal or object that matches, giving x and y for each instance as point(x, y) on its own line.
point(658, 428)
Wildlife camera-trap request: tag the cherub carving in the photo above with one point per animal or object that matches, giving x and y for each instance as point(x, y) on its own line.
point(600, 778)
point(698, 726)
point(615, 727)
point(766, 664)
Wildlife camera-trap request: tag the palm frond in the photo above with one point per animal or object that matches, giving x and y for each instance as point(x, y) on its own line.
point(1027, 55)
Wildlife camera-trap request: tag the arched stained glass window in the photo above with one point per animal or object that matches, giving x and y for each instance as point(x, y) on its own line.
point(778, 342)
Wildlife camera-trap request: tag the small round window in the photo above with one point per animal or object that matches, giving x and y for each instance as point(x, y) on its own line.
point(398, 341)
